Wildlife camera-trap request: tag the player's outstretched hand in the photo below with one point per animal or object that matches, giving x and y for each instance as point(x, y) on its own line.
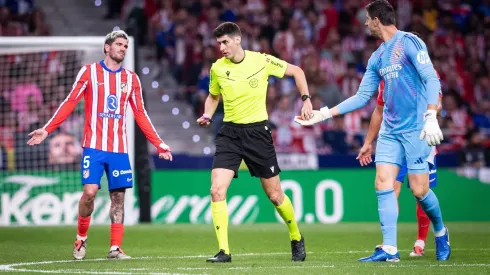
point(37, 136)
point(164, 152)
point(317, 116)
point(307, 110)
point(365, 154)
point(204, 121)
point(432, 132)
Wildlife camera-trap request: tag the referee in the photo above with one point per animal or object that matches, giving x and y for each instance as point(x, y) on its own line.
point(241, 77)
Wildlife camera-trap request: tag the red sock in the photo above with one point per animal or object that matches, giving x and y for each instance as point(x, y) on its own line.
point(83, 225)
point(117, 233)
point(423, 223)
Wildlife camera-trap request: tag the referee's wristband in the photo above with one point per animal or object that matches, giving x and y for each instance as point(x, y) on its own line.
point(208, 118)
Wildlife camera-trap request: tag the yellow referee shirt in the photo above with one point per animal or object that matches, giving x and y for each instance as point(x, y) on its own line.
point(244, 85)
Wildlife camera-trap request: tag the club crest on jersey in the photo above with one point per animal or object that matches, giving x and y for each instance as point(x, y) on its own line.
point(112, 103)
point(124, 87)
point(398, 54)
point(86, 173)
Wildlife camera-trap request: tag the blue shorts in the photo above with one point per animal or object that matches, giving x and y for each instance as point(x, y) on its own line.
point(432, 174)
point(404, 148)
point(115, 165)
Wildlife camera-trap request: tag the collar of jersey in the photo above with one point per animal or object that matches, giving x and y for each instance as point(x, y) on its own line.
point(107, 69)
point(244, 56)
point(389, 42)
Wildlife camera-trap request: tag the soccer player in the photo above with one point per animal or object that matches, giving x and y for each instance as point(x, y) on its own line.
point(107, 88)
point(409, 116)
point(364, 158)
point(241, 78)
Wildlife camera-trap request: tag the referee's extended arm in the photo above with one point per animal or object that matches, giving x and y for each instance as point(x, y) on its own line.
point(209, 108)
point(300, 79)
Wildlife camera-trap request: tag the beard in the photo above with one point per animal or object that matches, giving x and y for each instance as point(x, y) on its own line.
point(116, 58)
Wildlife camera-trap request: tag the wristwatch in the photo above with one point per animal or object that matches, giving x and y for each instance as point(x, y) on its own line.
point(305, 97)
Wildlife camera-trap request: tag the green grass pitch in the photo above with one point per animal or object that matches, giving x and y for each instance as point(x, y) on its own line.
point(255, 248)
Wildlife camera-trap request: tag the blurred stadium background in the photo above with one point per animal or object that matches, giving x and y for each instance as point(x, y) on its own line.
point(173, 51)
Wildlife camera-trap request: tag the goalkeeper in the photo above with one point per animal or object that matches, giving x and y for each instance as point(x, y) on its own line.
point(409, 116)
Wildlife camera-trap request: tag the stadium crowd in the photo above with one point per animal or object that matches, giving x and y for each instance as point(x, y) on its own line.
point(329, 41)
point(32, 85)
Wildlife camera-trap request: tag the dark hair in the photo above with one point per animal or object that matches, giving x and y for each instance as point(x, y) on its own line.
point(416, 34)
point(227, 28)
point(383, 10)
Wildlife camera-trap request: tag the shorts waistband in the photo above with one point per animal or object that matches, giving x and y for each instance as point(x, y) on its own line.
point(231, 124)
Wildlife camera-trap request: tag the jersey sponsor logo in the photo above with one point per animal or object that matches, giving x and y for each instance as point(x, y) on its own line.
point(112, 103)
point(389, 69)
point(423, 57)
point(123, 172)
point(276, 64)
point(107, 115)
point(390, 72)
point(117, 173)
point(253, 83)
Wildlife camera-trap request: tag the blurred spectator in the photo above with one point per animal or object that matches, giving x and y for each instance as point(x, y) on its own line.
point(25, 86)
point(473, 154)
point(37, 25)
point(64, 149)
point(114, 8)
point(29, 116)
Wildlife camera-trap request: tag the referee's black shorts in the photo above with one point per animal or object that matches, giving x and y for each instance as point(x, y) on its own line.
point(250, 142)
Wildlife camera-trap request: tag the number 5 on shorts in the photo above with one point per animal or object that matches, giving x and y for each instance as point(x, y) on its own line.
point(86, 162)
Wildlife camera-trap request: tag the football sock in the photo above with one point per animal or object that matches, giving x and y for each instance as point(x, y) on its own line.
point(430, 205)
point(388, 216)
point(423, 223)
point(220, 220)
point(83, 225)
point(286, 211)
point(117, 233)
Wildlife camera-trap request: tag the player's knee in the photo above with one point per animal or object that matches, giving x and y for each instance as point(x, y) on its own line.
point(89, 194)
point(383, 182)
point(419, 191)
point(419, 184)
point(218, 192)
point(276, 197)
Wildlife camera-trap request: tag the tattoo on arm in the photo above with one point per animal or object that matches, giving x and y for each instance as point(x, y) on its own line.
point(117, 206)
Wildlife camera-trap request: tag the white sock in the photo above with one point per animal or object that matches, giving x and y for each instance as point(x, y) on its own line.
point(440, 233)
point(114, 247)
point(390, 249)
point(81, 238)
point(419, 243)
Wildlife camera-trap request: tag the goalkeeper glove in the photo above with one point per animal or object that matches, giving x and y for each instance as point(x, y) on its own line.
point(431, 132)
point(318, 116)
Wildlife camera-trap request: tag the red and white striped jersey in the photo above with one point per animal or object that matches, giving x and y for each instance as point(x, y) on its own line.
point(106, 94)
